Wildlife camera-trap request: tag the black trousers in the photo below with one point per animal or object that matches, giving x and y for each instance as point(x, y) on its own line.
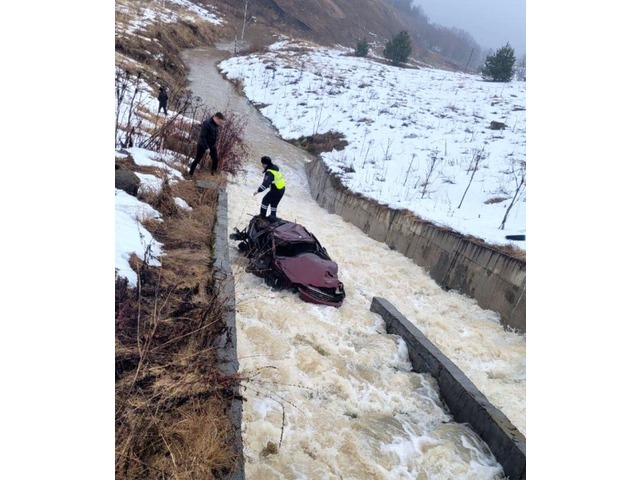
point(162, 106)
point(200, 151)
point(272, 198)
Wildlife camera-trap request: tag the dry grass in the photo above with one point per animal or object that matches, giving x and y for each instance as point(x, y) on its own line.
point(156, 48)
point(181, 444)
point(171, 402)
point(172, 405)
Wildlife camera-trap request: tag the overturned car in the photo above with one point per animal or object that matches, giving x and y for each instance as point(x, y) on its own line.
point(288, 256)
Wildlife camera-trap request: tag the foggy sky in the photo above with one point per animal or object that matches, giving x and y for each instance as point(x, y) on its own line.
point(492, 23)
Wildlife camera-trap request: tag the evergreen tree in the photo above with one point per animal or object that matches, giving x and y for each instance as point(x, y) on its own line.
point(499, 67)
point(362, 48)
point(398, 49)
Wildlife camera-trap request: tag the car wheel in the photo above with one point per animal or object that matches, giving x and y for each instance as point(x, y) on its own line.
point(274, 283)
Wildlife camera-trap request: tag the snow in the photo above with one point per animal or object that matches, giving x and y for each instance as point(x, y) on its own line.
point(418, 138)
point(131, 236)
point(162, 11)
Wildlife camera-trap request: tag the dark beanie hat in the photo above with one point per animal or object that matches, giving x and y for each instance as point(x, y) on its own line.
point(266, 160)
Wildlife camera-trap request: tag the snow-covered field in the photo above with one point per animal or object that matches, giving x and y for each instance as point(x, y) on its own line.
point(418, 139)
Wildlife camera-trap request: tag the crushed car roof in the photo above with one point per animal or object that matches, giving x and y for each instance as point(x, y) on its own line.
point(292, 232)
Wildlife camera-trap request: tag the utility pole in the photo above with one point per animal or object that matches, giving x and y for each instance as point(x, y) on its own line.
point(470, 55)
point(244, 20)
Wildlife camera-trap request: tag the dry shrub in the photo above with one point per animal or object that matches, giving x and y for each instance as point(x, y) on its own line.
point(180, 136)
point(231, 147)
point(182, 34)
point(126, 162)
point(182, 440)
point(178, 132)
point(135, 48)
point(206, 199)
point(184, 267)
point(146, 169)
point(190, 193)
point(202, 201)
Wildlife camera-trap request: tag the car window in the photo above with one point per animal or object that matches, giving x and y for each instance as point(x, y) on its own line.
point(289, 249)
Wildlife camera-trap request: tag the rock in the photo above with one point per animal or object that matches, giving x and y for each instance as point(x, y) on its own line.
point(127, 180)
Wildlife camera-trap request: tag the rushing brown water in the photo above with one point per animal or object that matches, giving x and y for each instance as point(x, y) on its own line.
point(329, 394)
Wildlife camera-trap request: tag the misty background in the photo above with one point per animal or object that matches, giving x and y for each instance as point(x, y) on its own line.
point(491, 23)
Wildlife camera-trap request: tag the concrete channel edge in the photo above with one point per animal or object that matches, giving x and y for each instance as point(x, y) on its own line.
point(228, 346)
point(465, 402)
point(495, 280)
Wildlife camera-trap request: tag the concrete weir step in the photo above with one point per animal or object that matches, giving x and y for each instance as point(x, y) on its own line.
point(466, 403)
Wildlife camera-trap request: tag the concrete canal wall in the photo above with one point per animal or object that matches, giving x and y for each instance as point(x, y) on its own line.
point(495, 280)
point(466, 403)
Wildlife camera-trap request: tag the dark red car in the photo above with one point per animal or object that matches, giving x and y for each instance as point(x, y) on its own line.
point(288, 256)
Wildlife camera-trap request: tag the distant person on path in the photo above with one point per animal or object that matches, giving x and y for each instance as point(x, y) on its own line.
point(274, 181)
point(207, 140)
point(163, 98)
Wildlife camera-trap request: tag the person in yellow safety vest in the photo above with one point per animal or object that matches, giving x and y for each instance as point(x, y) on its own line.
point(272, 178)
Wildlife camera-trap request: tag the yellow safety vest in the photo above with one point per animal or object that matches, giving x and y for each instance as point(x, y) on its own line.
point(278, 179)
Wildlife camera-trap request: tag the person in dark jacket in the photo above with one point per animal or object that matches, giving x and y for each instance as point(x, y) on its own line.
point(274, 181)
point(163, 98)
point(207, 140)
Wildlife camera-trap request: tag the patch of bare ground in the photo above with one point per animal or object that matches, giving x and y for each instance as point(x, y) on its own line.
point(321, 142)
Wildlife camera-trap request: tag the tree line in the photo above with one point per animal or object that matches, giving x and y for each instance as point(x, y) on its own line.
point(453, 44)
point(499, 67)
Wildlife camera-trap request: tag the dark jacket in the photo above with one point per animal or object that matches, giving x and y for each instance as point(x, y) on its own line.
point(208, 134)
point(163, 97)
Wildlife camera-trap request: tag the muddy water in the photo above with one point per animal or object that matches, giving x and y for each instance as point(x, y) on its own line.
point(329, 394)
